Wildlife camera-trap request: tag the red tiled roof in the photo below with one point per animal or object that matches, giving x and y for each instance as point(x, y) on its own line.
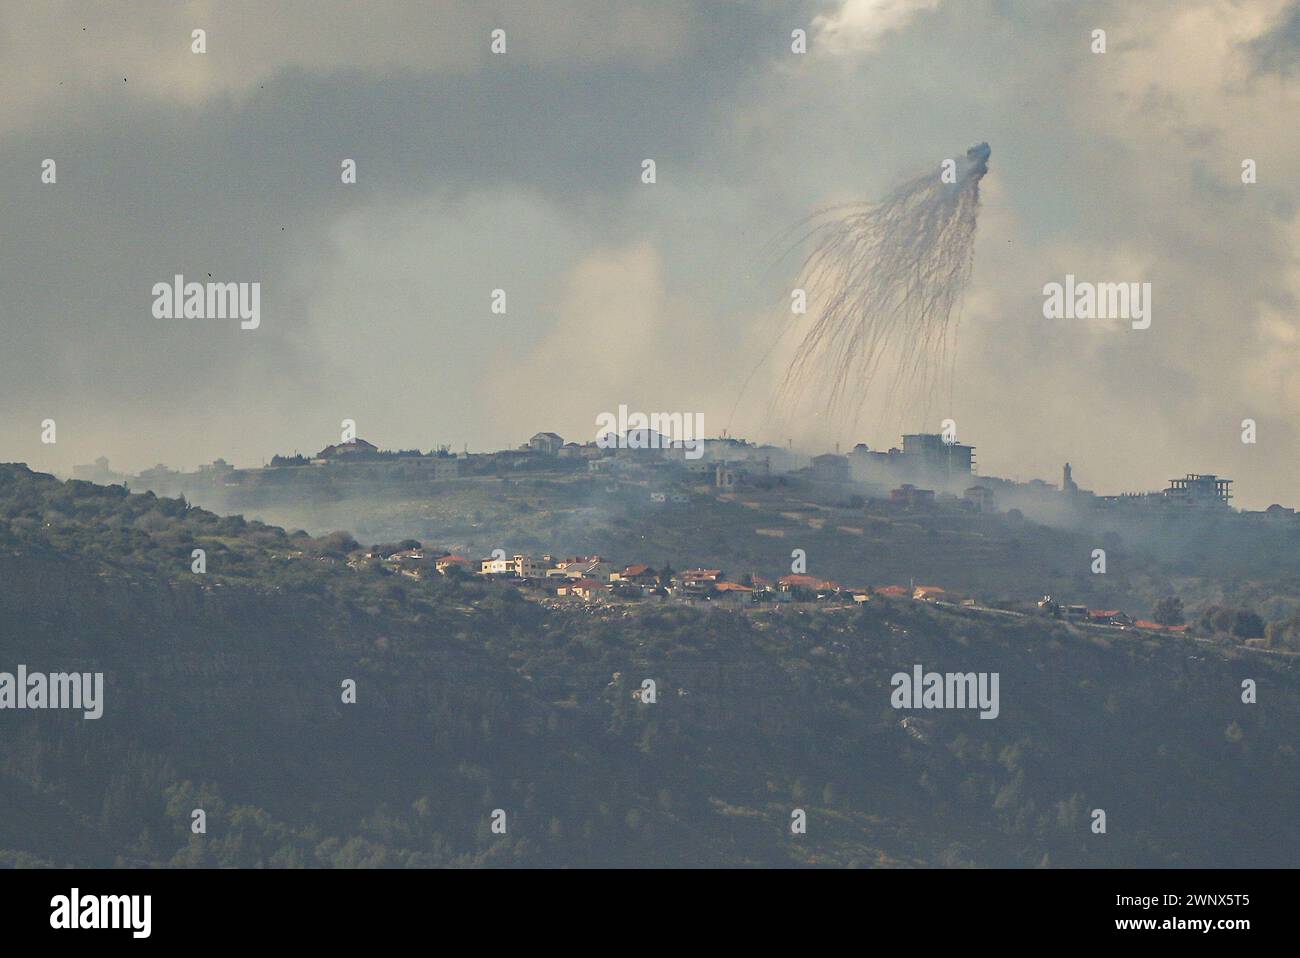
point(807, 582)
point(701, 573)
point(733, 587)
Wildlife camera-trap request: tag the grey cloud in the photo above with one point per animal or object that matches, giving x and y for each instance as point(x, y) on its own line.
point(1278, 50)
point(522, 172)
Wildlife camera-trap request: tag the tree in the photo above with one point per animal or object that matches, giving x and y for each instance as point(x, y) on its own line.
point(456, 572)
point(1169, 611)
point(1217, 619)
point(336, 545)
point(1248, 625)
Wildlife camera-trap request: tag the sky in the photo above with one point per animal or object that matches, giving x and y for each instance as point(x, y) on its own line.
point(522, 171)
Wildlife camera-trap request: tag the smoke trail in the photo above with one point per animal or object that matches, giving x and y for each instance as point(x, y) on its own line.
point(884, 278)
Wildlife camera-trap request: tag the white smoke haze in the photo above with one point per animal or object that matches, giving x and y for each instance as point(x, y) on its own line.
point(1116, 167)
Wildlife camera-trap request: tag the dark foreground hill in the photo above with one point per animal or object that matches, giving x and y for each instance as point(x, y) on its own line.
point(223, 692)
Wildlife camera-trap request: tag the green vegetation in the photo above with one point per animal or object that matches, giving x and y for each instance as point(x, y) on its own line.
point(997, 557)
point(223, 693)
point(1168, 611)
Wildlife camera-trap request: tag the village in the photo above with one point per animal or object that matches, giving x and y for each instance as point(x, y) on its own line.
point(902, 519)
point(929, 471)
point(594, 580)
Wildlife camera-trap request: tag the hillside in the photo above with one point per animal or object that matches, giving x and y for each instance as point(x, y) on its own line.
point(854, 540)
point(223, 692)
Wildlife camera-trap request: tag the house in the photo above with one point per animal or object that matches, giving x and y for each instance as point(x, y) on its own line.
point(831, 467)
point(573, 450)
point(980, 498)
point(1275, 511)
point(526, 567)
point(696, 583)
point(520, 566)
point(547, 443)
point(910, 496)
point(405, 554)
point(100, 473)
point(218, 467)
point(446, 562)
point(804, 587)
point(598, 569)
point(700, 576)
point(561, 567)
point(412, 562)
point(712, 575)
point(587, 588)
point(640, 574)
point(929, 593)
point(627, 589)
point(582, 567)
point(445, 467)
point(157, 473)
point(734, 592)
point(1108, 617)
point(582, 588)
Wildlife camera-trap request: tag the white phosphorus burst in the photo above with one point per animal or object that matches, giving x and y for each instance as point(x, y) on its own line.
point(884, 279)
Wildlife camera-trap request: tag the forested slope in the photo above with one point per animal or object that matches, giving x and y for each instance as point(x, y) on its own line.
point(222, 692)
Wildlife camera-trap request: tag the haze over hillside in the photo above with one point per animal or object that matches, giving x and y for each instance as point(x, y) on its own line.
point(222, 692)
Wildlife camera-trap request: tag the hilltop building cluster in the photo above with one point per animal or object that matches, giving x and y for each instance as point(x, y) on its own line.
point(929, 471)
